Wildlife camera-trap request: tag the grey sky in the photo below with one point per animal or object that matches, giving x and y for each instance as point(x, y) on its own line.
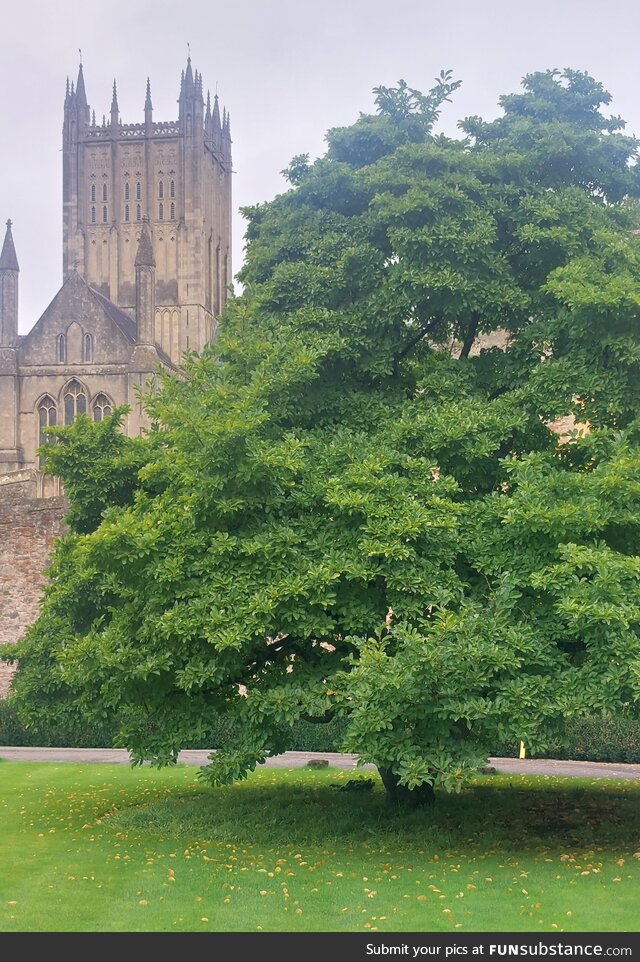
point(287, 70)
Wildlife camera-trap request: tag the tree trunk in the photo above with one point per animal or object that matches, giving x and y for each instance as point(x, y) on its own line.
point(401, 795)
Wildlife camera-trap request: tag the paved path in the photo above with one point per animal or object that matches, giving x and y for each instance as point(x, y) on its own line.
point(515, 766)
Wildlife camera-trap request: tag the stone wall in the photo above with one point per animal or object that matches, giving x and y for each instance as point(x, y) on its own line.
point(28, 525)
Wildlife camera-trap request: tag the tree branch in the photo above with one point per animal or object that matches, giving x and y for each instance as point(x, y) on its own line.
point(412, 343)
point(470, 337)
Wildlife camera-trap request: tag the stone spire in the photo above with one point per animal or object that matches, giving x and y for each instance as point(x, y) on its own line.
point(114, 107)
point(144, 255)
point(81, 96)
point(145, 266)
point(148, 107)
point(8, 259)
point(8, 291)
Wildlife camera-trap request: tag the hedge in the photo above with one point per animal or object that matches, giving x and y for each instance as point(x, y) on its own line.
point(603, 739)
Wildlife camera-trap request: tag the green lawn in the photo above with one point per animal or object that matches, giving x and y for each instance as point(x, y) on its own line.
point(99, 848)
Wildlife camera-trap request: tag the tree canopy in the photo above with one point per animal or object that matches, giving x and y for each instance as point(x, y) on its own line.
point(355, 502)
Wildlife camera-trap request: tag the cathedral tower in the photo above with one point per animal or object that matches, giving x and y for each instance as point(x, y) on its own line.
point(177, 175)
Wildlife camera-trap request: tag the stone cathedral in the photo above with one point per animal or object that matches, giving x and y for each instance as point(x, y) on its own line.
point(146, 265)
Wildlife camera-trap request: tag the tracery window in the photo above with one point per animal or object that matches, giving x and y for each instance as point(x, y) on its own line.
point(104, 215)
point(172, 188)
point(161, 189)
point(93, 215)
point(47, 418)
point(75, 401)
point(102, 407)
point(104, 191)
point(93, 192)
point(138, 191)
point(126, 191)
point(126, 213)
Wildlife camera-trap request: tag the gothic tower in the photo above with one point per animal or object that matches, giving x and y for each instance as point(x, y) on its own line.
point(177, 175)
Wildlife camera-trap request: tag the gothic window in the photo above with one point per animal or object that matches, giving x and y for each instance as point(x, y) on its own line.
point(102, 407)
point(104, 215)
point(93, 192)
point(126, 191)
point(172, 188)
point(138, 212)
point(161, 189)
point(104, 191)
point(173, 211)
point(47, 418)
point(160, 211)
point(126, 213)
point(138, 191)
point(88, 347)
point(75, 401)
point(93, 215)
point(61, 348)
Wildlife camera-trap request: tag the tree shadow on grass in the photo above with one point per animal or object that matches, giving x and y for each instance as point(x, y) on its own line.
point(295, 808)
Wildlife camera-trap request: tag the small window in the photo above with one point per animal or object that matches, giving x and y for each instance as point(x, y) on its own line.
point(104, 215)
point(93, 193)
point(173, 211)
point(102, 407)
point(93, 215)
point(126, 191)
point(161, 189)
point(61, 348)
point(126, 213)
point(160, 211)
point(75, 402)
point(138, 212)
point(138, 191)
point(47, 418)
point(88, 347)
point(172, 188)
point(104, 191)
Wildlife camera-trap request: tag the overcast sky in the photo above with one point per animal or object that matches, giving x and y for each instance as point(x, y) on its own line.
point(287, 70)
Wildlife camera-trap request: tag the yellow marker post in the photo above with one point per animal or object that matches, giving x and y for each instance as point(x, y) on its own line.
point(522, 750)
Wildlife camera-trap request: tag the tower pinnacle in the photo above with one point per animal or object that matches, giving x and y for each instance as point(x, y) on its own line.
point(8, 259)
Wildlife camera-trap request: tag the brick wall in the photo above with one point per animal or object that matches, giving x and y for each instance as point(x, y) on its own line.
point(28, 526)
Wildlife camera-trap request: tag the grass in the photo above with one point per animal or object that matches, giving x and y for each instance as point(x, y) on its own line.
point(105, 848)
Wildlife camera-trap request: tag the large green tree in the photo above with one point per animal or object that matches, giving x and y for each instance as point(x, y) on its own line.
point(354, 504)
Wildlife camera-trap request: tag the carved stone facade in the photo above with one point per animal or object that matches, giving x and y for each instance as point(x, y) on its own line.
point(146, 265)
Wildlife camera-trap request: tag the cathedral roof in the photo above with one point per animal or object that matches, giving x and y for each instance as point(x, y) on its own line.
point(8, 259)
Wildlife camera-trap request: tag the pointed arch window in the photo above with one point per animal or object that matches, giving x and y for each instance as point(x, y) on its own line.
point(93, 193)
point(160, 211)
point(102, 407)
point(75, 401)
point(104, 215)
point(87, 348)
point(126, 213)
point(138, 212)
point(161, 189)
point(47, 418)
point(61, 348)
point(93, 215)
point(126, 191)
point(173, 211)
point(172, 189)
point(104, 191)
point(138, 191)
